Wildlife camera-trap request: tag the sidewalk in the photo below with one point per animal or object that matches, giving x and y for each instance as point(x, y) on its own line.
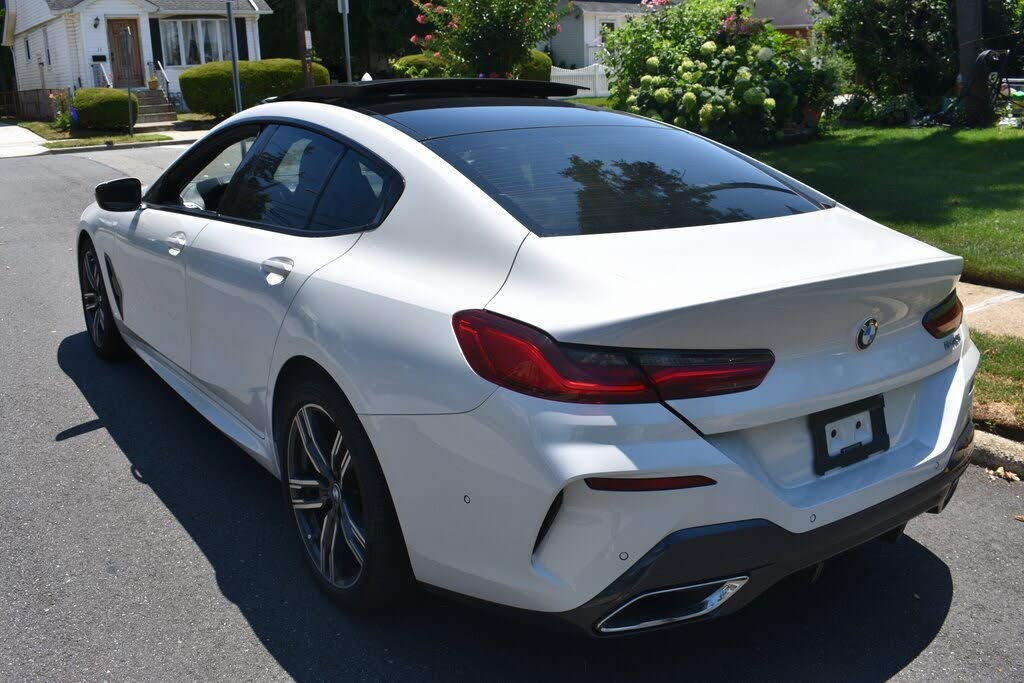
point(16, 141)
point(991, 310)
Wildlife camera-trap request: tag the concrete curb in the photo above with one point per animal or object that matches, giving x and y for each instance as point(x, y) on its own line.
point(994, 451)
point(129, 145)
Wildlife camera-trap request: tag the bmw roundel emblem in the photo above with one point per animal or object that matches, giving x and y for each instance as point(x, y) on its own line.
point(868, 332)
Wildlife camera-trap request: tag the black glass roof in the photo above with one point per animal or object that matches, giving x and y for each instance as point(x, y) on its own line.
point(441, 117)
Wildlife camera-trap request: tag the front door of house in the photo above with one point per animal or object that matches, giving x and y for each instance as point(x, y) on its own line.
point(125, 54)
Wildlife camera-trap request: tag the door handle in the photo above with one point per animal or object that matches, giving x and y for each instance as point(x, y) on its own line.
point(277, 269)
point(175, 243)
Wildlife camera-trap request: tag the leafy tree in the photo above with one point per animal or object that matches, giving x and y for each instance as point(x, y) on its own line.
point(898, 46)
point(485, 37)
point(377, 28)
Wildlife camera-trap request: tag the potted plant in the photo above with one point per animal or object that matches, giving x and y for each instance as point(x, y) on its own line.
point(153, 82)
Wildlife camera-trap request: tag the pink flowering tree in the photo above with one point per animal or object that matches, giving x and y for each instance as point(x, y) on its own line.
point(486, 38)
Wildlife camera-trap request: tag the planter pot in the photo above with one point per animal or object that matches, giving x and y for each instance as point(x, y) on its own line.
point(154, 85)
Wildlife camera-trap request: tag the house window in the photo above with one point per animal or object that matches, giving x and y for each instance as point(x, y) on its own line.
point(46, 47)
point(187, 42)
point(607, 27)
point(28, 50)
point(171, 42)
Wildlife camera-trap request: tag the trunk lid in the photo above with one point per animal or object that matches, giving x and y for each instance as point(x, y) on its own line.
point(801, 286)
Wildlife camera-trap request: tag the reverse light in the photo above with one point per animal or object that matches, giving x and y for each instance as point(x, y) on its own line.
point(944, 319)
point(524, 359)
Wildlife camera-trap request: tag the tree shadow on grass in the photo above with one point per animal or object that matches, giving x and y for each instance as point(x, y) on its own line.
point(869, 615)
point(913, 176)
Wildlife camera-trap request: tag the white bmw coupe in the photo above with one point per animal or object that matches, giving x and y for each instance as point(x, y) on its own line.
point(561, 359)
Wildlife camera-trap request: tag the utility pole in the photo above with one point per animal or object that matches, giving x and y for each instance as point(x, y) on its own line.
point(300, 19)
point(235, 83)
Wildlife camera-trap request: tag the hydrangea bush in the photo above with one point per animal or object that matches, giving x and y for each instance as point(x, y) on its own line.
point(707, 66)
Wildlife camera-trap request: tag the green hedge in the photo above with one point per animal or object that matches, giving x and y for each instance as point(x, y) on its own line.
point(207, 89)
point(537, 67)
point(104, 108)
point(420, 66)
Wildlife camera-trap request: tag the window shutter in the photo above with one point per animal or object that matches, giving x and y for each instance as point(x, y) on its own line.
point(154, 39)
point(242, 38)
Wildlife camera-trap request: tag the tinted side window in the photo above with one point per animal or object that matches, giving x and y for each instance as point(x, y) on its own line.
point(204, 191)
point(353, 196)
point(280, 182)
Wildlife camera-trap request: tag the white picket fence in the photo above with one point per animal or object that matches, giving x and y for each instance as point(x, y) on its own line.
point(594, 77)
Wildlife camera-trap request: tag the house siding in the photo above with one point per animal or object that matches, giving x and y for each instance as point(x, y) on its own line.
point(30, 13)
point(34, 72)
point(567, 48)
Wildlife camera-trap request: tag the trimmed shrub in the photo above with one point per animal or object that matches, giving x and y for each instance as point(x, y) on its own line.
point(104, 108)
point(208, 89)
point(421, 66)
point(537, 67)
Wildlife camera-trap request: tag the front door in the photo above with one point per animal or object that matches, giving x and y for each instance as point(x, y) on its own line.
point(125, 54)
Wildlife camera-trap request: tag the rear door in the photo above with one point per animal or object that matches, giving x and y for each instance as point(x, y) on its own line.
point(299, 202)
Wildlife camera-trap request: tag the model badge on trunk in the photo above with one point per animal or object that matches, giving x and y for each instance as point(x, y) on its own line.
point(868, 332)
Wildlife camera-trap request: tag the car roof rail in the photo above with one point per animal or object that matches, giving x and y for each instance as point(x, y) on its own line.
point(403, 88)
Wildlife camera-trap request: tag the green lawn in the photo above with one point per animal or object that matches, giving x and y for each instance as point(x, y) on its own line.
point(82, 138)
point(593, 101)
point(116, 139)
point(962, 191)
point(999, 387)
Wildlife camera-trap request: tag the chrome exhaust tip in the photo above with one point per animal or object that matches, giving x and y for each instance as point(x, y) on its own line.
point(669, 606)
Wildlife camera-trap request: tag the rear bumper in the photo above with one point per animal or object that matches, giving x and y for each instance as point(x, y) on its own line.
point(756, 550)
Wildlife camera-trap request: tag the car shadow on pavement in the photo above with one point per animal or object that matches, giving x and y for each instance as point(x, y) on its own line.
point(869, 615)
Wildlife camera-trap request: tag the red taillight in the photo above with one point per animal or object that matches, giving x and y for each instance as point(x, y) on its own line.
point(944, 319)
point(692, 374)
point(691, 481)
point(524, 359)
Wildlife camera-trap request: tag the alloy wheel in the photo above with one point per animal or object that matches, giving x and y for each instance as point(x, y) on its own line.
point(325, 496)
point(93, 297)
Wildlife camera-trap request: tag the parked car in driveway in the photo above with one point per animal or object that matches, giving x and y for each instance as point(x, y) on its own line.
point(562, 359)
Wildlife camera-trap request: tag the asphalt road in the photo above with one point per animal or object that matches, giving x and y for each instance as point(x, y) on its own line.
point(137, 543)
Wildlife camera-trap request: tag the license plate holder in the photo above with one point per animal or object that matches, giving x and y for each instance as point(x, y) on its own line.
point(848, 434)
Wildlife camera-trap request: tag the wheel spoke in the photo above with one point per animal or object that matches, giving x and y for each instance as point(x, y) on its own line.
point(90, 300)
point(346, 463)
point(353, 535)
point(100, 321)
point(90, 272)
point(297, 483)
point(95, 331)
point(309, 443)
point(335, 450)
point(308, 503)
point(327, 537)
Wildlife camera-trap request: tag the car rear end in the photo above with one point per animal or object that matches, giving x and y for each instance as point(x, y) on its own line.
point(708, 377)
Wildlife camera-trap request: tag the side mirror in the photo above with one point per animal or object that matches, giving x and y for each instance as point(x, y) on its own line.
point(123, 194)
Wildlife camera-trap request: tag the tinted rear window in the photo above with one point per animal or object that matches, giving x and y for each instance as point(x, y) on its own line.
point(600, 179)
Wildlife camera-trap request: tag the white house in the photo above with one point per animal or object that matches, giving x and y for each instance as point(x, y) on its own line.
point(579, 44)
point(121, 43)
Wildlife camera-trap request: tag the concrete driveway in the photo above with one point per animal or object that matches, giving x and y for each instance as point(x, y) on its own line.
point(16, 141)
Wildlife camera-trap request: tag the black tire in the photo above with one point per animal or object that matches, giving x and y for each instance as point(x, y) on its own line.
point(99, 318)
point(384, 574)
